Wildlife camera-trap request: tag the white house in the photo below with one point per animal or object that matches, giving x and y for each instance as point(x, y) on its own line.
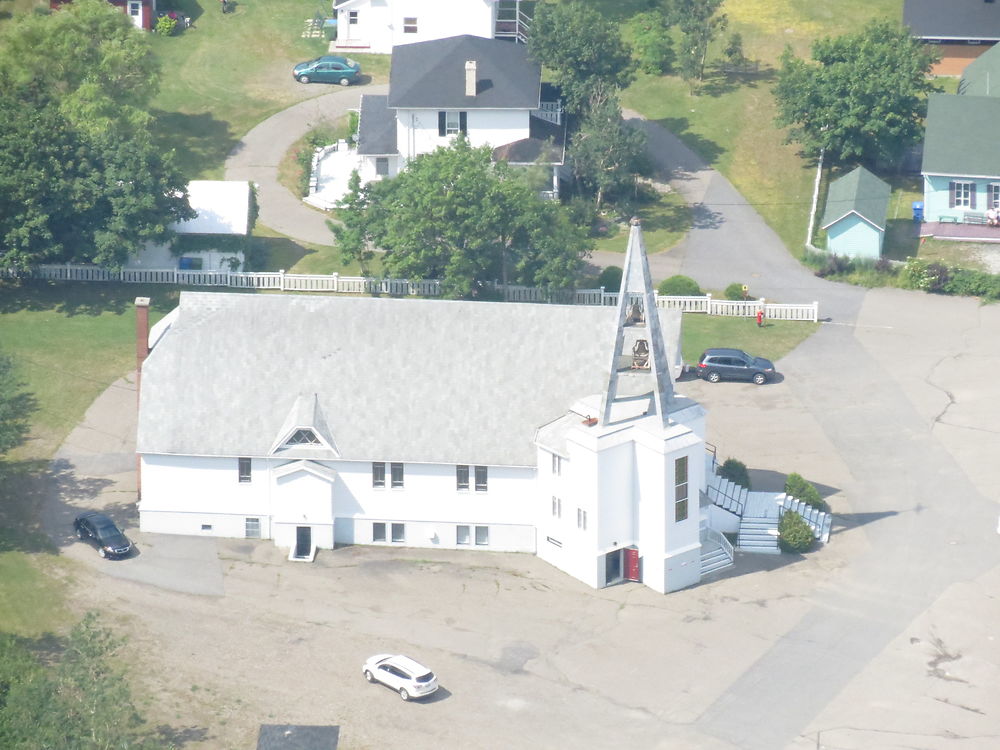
point(380, 25)
point(488, 90)
point(324, 421)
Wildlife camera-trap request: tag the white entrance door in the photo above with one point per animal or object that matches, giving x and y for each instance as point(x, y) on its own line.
point(135, 12)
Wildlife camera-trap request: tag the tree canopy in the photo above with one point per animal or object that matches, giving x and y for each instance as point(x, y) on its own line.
point(453, 215)
point(699, 22)
point(862, 97)
point(607, 154)
point(583, 50)
point(81, 179)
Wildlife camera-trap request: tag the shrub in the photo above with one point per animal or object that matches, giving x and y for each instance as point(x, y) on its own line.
point(835, 265)
point(679, 286)
point(736, 472)
point(929, 277)
point(735, 291)
point(796, 486)
point(794, 534)
point(166, 25)
point(610, 279)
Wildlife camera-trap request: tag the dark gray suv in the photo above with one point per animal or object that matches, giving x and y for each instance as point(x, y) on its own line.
point(733, 364)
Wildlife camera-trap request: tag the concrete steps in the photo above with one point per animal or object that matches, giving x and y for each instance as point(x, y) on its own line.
point(714, 559)
point(758, 534)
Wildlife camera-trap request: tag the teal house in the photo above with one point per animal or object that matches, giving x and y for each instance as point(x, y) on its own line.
point(961, 166)
point(857, 205)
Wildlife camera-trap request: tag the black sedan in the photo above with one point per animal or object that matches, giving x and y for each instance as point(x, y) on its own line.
point(103, 533)
point(733, 364)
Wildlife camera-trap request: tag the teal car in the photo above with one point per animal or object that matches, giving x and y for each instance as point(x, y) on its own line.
point(327, 69)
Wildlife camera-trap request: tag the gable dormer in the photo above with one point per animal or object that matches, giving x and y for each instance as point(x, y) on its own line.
point(304, 433)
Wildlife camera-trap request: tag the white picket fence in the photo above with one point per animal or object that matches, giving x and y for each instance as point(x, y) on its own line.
point(337, 284)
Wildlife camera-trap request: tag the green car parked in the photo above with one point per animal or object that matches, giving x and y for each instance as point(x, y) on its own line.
point(327, 69)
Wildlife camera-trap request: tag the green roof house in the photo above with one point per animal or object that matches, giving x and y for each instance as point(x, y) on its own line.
point(982, 76)
point(961, 166)
point(856, 208)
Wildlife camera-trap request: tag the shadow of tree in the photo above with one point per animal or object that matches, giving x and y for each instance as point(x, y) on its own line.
point(181, 736)
point(703, 217)
point(707, 149)
point(196, 139)
point(83, 298)
point(719, 82)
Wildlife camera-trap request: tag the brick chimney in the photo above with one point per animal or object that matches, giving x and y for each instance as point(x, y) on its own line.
point(470, 77)
point(141, 352)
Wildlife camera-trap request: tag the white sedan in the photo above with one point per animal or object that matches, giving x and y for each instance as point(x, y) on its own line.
point(407, 677)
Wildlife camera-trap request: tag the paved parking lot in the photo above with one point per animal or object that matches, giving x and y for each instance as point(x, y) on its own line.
point(885, 638)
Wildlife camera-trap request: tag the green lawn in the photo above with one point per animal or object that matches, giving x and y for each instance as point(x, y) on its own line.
point(664, 224)
point(773, 340)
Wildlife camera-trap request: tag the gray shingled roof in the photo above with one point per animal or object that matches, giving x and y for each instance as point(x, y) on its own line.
point(376, 126)
point(961, 136)
point(952, 19)
point(545, 144)
point(395, 379)
point(981, 77)
point(859, 192)
point(431, 75)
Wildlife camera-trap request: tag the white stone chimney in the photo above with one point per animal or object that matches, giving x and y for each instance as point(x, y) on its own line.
point(470, 77)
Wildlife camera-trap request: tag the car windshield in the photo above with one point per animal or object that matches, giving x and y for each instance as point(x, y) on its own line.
point(426, 677)
point(107, 531)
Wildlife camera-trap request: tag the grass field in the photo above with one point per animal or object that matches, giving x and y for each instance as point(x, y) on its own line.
point(773, 340)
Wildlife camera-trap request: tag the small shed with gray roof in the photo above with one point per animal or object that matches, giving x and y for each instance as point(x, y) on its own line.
point(857, 206)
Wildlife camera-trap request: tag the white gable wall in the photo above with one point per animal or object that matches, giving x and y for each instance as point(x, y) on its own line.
point(380, 25)
point(417, 129)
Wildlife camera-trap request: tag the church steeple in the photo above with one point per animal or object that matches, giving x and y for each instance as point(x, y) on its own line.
point(639, 382)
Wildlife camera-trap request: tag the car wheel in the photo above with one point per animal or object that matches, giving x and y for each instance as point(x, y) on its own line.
point(303, 79)
point(759, 378)
point(713, 377)
point(403, 694)
point(345, 81)
point(80, 535)
point(369, 676)
point(102, 552)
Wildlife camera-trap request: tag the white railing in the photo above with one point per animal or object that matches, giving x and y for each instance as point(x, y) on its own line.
point(819, 521)
point(549, 111)
point(707, 533)
point(337, 284)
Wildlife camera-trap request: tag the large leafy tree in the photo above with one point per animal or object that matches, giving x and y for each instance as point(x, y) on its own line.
point(607, 154)
point(862, 97)
point(699, 22)
point(89, 57)
point(455, 216)
point(68, 194)
point(583, 50)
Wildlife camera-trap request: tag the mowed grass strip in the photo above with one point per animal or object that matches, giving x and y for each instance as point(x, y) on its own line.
point(773, 340)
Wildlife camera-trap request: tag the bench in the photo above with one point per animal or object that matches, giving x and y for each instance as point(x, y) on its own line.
point(947, 219)
point(971, 217)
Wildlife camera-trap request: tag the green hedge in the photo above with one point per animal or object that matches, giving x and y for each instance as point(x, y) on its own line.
point(735, 291)
point(800, 489)
point(794, 534)
point(679, 286)
point(736, 472)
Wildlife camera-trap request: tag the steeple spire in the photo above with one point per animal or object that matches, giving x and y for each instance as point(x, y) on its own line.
point(639, 382)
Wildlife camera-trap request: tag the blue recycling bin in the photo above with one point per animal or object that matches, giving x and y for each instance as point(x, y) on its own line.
point(918, 210)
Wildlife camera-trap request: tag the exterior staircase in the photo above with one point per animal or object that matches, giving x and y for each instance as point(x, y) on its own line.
point(758, 534)
point(716, 551)
point(819, 521)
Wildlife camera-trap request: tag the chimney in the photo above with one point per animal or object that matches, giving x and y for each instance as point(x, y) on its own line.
point(141, 352)
point(470, 77)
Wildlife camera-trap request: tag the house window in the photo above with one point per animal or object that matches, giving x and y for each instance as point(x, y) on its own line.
point(993, 195)
point(252, 528)
point(556, 465)
point(206, 527)
point(303, 437)
point(244, 469)
point(378, 532)
point(352, 17)
point(378, 474)
point(581, 519)
point(409, 25)
point(452, 123)
point(382, 166)
point(462, 477)
point(553, 542)
point(482, 536)
point(399, 532)
point(681, 489)
point(396, 479)
point(462, 535)
point(556, 506)
point(481, 477)
point(962, 195)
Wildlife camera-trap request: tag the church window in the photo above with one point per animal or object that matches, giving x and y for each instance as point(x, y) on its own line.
point(681, 489)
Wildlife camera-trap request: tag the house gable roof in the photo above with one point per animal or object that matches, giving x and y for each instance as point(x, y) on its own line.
point(952, 19)
point(961, 136)
point(397, 379)
point(376, 127)
point(982, 76)
point(857, 192)
point(431, 75)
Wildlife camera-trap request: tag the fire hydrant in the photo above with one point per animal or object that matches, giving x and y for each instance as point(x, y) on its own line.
point(760, 317)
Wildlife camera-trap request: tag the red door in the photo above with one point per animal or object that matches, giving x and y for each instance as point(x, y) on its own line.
point(631, 564)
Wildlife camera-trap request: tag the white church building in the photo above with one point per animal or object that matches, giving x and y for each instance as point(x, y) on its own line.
point(322, 421)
